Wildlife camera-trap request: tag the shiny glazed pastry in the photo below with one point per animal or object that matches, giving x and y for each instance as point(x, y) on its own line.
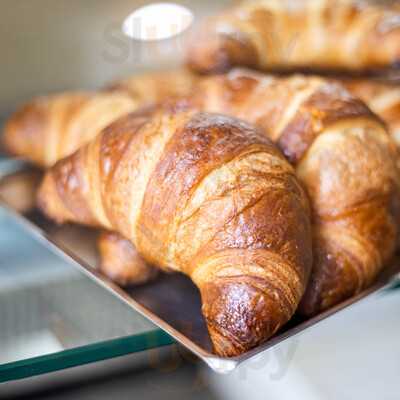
point(291, 34)
point(345, 159)
point(203, 194)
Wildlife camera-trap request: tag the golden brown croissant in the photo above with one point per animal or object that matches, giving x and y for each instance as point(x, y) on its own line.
point(203, 194)
point(309, 34)
point(344, 157)
point(52, 127)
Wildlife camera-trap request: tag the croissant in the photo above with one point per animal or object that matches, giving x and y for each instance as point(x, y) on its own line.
point(307, 34)
point(203, 194)
point(344, 158)
point(52, 127)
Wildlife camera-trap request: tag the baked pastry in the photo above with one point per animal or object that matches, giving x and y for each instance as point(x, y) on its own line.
point(203, 194)
point(344, 158)
point(349, 35)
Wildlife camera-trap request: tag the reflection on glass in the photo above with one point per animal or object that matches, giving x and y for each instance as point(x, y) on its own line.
point(47, 305)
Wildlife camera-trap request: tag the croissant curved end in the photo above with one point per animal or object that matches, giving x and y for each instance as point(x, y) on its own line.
point(239, 315)
point(22, 130)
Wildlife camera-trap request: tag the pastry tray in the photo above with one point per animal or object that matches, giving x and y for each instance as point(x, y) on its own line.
point(171, 302)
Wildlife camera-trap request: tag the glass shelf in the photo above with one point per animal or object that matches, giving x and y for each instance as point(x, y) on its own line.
point(49, 312)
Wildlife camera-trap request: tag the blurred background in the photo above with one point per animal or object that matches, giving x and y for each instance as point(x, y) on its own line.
point(49, 46)
point(48, 306)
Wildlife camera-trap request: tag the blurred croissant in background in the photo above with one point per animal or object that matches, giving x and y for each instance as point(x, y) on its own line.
point(323, 35)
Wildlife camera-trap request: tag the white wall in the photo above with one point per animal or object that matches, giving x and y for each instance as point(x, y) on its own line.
point(51, 45)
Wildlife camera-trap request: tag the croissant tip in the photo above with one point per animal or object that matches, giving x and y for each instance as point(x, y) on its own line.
point(224, 346)
point(22, 133)
point(11, 131)
point(240, 315)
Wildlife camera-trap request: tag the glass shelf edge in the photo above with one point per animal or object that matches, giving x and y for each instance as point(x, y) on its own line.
point(84, 355)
